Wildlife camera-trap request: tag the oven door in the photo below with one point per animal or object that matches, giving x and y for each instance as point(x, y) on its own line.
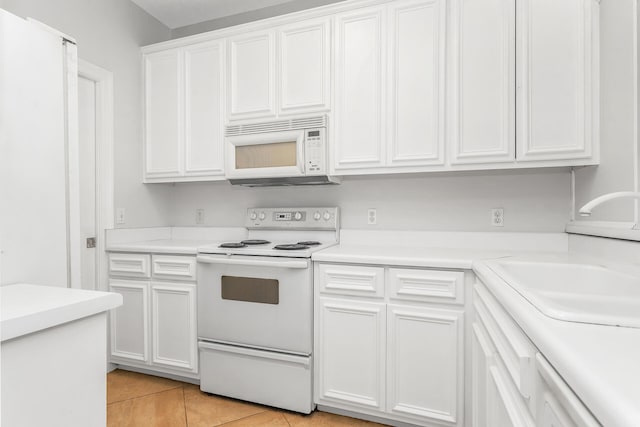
point(265, 155)
point(262, 302)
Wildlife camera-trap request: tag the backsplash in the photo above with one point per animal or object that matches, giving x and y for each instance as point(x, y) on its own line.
point(533, 201)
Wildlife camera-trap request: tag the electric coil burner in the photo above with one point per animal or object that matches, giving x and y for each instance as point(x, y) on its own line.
point(255, 242)
point(291, 247)
point(255, 307)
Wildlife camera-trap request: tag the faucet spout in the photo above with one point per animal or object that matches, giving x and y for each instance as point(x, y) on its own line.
point(586, 209)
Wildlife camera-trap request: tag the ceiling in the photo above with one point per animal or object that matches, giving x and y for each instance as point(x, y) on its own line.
point(179, 13)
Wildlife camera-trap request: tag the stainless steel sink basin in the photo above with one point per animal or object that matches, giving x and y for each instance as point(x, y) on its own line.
point(576, 292)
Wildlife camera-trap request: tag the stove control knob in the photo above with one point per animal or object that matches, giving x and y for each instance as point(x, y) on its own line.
point(253, 216)
point(262, 216)
point(317, 216)
point(326, 216)
point(297, 216)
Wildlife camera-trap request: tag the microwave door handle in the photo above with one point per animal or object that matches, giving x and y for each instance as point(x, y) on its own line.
point(252, 263)
point(301, 144)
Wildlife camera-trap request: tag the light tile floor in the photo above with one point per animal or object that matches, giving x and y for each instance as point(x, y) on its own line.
point(138, 400)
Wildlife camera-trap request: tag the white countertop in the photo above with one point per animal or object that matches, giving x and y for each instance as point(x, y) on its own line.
point(414, 256)
point(161, 246)
point(601, 364)
point(25, 309)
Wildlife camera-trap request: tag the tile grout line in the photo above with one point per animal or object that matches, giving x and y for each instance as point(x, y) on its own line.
point(242, 418)
point(143, 395)
point(184, 405)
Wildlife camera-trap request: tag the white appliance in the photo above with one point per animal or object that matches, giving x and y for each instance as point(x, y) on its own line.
point(283, 152)
point(255, 307)
point(38, 72)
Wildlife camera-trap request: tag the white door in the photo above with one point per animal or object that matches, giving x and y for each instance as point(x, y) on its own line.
point(130, 321)
point(304, 67)
point(174, 335)
point(87, 155)
point(483, 85)
point(416, 42)
point(204, 109)
point(424, 363)
point(350, 355)
point(252, 76)
point(164, 124)
point(360, 78)
point(556, 74)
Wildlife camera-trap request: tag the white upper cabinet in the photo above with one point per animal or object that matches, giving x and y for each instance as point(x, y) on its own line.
point(416, 63)
point(305, 67)
point(358, 135)
point(557, 68)
point(204, 109)
point(184, 111)
point(483, 81)
point(163, 113)
point(408, 86)
point(252, 75)
point(389, 107)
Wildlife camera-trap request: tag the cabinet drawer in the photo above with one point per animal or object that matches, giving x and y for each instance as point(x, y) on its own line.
point(129, 265)
point(351, 280)
point(426, 285)
point(174, 267)
point(513, 346)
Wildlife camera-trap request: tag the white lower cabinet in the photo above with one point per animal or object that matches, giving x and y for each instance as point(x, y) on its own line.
point(156, 326)
point(535, 396)
point(401, 360)
point(174, 325)
point(129, 322)
point(352, 351)
point(424, 362)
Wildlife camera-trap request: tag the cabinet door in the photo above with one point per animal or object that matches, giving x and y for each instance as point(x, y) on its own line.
point(416, 41)
point(359, 102)
point(557, 79)
point(557, 404)
point(425, 363)
point(129, 322)
point(204, 111)
point(175, 341)
point(304, 67)
point(481, 359)
point(505, 408)
point(252, 75)
point(163, 114)
point(350, 359)
point(483, 81)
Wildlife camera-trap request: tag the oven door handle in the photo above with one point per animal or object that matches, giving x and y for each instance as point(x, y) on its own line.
point(252, 262)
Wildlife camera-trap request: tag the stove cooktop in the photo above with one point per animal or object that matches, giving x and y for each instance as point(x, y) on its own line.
point(296, 249)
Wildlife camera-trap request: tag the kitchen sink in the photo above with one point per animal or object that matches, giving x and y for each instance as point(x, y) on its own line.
point(575, 292)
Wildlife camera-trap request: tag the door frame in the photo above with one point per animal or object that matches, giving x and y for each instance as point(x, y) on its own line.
point(104, 164)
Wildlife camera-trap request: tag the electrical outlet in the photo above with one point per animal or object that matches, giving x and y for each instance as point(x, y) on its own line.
point(199, 216)
point(497, 217)
point(120, 216)
point(372, 216)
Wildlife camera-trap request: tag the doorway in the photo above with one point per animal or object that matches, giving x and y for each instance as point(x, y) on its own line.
point(95, 153)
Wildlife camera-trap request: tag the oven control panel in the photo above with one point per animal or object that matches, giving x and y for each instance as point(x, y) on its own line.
point(293, 218)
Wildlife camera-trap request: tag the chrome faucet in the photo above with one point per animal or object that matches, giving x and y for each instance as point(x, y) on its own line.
point(586, 209)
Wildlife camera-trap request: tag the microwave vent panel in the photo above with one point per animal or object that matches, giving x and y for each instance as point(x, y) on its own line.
point(276, 126)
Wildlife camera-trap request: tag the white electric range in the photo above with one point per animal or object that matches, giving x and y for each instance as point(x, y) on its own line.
point(255, 307)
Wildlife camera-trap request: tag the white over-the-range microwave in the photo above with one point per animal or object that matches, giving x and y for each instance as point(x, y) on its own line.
point(283, 152)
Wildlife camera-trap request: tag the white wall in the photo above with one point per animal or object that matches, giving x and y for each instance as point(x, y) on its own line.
point(618, 108)
point(109, 34)
point(243, 18)
point(532, 201)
